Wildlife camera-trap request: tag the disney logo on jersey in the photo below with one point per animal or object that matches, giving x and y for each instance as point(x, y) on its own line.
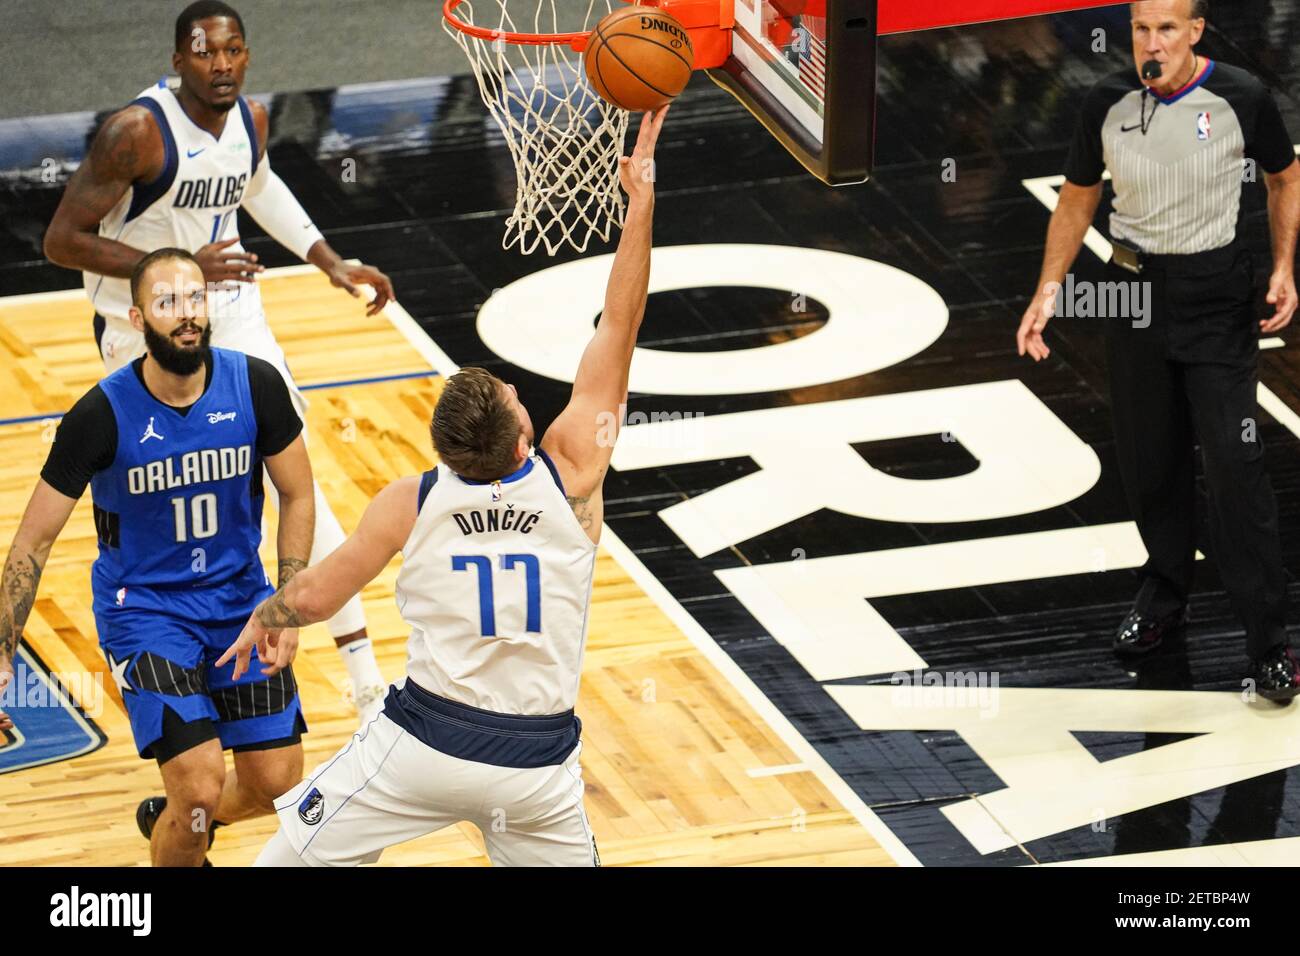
point(149, 432)
point(211, 193)
point(214, 417)
point(191, 468)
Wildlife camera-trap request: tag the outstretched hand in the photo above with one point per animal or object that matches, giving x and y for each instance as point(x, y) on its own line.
point(276, 647)
point(636, 173)
point(347, 276)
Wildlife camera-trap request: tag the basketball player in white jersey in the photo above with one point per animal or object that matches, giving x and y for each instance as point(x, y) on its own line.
point(498, 548)
point(170, 170)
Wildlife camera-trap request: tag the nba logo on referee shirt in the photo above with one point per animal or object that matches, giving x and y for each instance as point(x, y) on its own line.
point(1202, 126)
point(312, 807)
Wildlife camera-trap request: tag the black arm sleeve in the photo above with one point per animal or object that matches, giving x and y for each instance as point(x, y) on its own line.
point(278, 423)
point(1271, 144)
point(86, 442)
point(1086, 161)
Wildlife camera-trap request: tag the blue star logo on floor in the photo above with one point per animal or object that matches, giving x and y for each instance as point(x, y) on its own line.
point(48, 725)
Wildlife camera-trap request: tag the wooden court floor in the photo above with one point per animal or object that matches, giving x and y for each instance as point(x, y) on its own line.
point(680, 769)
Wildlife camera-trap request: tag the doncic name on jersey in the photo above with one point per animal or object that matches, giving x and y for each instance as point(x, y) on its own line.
point(191, 468)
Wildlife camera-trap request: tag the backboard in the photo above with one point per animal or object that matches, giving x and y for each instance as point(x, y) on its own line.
point(807, 68)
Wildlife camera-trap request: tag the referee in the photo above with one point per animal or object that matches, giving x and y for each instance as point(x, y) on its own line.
point(1180, 135)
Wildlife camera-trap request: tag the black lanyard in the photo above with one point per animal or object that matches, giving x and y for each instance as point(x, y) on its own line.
point(1145, 120)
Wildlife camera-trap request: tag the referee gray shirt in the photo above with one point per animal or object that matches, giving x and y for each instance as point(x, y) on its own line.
point(1177, 162)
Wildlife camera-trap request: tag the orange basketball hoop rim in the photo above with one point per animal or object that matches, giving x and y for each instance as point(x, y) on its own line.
point(708, 22)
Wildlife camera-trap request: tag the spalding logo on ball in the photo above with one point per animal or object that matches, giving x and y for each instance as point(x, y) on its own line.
point(639, 58)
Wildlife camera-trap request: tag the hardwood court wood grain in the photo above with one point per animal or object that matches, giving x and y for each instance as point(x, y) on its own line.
point(668, 744)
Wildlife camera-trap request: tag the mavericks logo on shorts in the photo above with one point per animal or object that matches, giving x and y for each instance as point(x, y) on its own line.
point(312, 807)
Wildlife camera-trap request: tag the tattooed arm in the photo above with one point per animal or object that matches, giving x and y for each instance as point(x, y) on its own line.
point(127, 149)
point(589, 514)
point(317, 592)
point(581, 439)
point(47, 512)
point(290, 472)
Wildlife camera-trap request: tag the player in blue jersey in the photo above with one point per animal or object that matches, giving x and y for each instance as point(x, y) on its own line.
point(173, 448)
point(172, 169)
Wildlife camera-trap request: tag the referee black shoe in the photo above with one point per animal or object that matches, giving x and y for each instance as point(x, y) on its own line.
point(1140, 634)
point(1276, 674)
point(148, 812)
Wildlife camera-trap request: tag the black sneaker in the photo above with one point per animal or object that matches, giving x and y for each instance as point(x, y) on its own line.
point(1277, 675)
point(148, 812)
point(1140, 634)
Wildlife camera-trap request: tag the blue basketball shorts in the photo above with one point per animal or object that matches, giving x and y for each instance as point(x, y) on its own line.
point(160, 662)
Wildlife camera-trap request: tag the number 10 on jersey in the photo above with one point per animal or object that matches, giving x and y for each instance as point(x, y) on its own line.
point(482, 566)
point(202, 517)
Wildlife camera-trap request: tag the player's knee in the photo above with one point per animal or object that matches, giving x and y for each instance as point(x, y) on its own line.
point(195, 797)
point(274, 779)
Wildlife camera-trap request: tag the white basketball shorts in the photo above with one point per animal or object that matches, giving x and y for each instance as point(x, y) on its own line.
point(387, 786)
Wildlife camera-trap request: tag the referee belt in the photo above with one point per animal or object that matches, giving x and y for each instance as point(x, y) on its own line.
point(1132, 259)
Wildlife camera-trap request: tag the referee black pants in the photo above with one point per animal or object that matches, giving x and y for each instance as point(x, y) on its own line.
point(1191, 376)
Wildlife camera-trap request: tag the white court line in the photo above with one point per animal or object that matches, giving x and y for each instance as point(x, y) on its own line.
point(1044, 190)
point(702, 640)
point(69, 295)
point(778, 771)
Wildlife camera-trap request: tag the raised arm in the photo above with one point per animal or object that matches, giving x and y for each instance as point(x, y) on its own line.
point(581, 439)
point(318, 592)
point(127, 149)
point(47, 512)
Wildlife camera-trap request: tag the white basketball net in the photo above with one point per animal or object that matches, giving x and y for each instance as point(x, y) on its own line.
point(564, 139)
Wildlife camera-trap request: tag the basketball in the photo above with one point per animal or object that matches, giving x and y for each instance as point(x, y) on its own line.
point(639, 58)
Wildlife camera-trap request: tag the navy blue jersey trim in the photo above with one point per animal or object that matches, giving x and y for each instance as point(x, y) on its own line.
point(253, 146)
point(1205, 74)
point(427, 481)
point(550, 466)
point(469, 733)
point(144, 195)
point(515, 475)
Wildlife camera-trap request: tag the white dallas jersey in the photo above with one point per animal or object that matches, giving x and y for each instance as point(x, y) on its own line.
point(191, 204)
point(495, 585)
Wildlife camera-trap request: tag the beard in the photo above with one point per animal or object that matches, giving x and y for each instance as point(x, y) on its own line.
point(177, 359)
